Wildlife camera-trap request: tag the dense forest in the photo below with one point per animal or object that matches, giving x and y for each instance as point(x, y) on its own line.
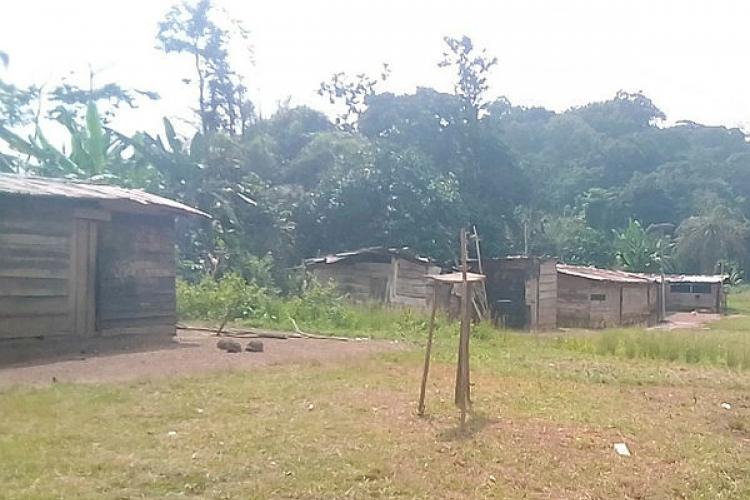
point(608, 183)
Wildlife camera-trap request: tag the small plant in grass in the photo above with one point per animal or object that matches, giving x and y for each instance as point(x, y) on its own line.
point(607, 343)
point(630, 347)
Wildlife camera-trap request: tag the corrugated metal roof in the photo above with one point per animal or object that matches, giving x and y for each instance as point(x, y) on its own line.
point(695, 278)
point(404, 252)
point(594, 273)
point(61, 188)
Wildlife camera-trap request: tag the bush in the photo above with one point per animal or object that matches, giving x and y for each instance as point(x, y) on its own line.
point(216, 300)
point(318, 304)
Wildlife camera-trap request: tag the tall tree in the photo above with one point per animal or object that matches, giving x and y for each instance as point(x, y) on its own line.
point(717, 234)
point(189, 28)
point(472, 69)
point(351, 93)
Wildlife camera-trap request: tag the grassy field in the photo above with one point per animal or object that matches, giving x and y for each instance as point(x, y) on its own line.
point(547, 411)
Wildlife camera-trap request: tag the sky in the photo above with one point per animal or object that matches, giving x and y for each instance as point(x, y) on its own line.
point(689, 56)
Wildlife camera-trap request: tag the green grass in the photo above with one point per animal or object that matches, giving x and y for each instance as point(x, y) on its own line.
point(546, 414)
point(724, 344)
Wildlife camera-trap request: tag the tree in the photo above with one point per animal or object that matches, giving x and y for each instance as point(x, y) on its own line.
point(15, 102)
point(638, 251)
point(222, 97)
point(471, 70)
point(717, 234)
point(69, 98)
point(95, 154)
point(352, 93)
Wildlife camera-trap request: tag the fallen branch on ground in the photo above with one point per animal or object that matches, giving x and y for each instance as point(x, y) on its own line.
point(255, 333)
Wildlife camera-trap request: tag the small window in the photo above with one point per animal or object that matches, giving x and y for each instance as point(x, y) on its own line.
point(701, 288)
point(690, 288)
point(599, 297)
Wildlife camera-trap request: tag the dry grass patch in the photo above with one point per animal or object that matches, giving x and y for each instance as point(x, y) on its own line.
point(349, 431)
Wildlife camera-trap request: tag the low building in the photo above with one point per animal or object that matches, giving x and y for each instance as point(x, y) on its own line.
point(695, 293)
point(522, 292)
point(393, 276)
point(80, 262)
point(588, 297)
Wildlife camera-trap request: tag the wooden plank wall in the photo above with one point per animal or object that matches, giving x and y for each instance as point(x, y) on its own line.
point(573, 301)
point(547, 307)
point(691, 302)
point(604, 313)
point(412, 287)
point(636, 307)
point(507, 291)
point(359, 280)
point(35, 269)
point(623, 304)
point(136, 275)
point(399, 282)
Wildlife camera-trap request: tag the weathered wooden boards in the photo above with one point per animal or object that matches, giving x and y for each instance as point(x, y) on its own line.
point(399, 281)
point(601, 304)
point(136, 275)
point(35, 255)
point(522, 292)
point(68, 269)
point(463, 385)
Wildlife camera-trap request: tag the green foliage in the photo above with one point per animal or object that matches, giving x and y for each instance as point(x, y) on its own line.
point(229, 297)
point(571, 240)
point(190, 28)
point(725, 348)
point(352, 93)
point(717, 234)
point(399, 170)
point(638, 251)
point(472, 70)
point(109, 97)
point(318, 304)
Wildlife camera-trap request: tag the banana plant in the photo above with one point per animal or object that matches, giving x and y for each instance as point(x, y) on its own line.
point(203, 172)
point(95, 152)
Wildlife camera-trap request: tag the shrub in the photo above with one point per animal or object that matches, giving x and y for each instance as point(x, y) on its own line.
point(216, 300)
point(319, 304)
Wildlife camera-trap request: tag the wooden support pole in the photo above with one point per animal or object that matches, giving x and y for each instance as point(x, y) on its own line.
point(462, 396)
point(428, 350)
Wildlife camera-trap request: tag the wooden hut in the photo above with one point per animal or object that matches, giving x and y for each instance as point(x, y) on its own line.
point(588, 297)
point(394, 276)
point(81, 261)
point(522, 292)
point(695, 293)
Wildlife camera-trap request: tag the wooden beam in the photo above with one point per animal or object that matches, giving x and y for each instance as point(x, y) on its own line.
point(428, 351)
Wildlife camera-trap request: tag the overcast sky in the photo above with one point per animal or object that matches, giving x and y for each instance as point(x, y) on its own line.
point(689, 56)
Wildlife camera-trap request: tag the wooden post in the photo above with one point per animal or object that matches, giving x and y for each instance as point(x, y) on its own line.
point(462, 395)
point(428, 350)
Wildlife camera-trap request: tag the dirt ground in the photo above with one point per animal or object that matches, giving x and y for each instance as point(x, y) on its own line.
point(683, 320)
point(192, 352)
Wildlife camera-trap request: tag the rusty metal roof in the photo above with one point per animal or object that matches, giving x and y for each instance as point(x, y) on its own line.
point(112, 196)
point(596, 274)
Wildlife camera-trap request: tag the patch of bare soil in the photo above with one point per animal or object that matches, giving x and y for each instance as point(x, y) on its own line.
point(687, 320)
point(192, 352)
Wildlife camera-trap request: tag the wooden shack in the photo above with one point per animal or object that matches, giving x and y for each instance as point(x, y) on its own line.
point(81, 261)
point(695, 293)
point(522, 292)
point(393, 276)
point(588, 297)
